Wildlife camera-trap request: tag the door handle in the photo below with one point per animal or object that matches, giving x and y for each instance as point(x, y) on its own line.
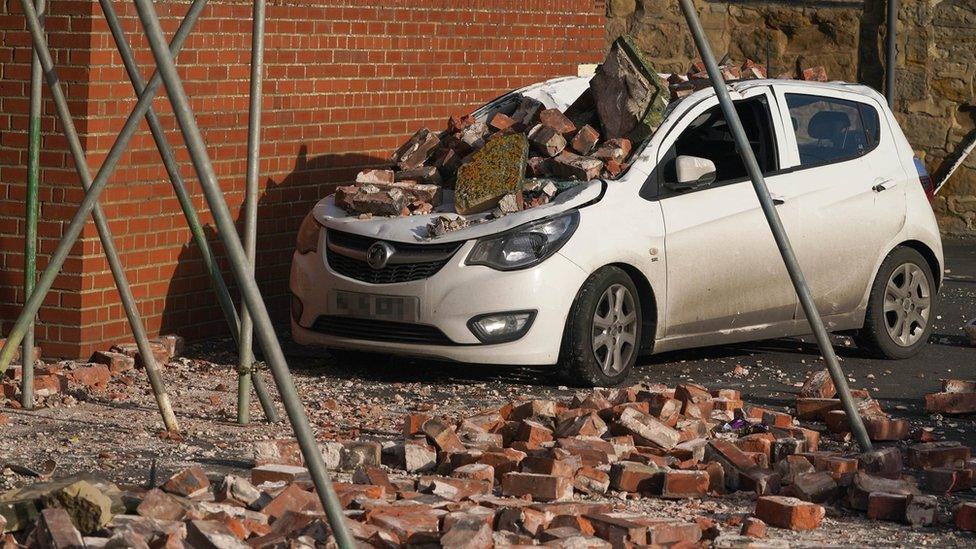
point(884, 185)
point(777, 200)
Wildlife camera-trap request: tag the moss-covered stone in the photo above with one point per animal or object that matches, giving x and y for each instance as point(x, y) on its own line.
point(493, 172)
point(630, 96)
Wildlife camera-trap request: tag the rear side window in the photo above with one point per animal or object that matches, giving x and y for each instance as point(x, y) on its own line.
point(832, 130)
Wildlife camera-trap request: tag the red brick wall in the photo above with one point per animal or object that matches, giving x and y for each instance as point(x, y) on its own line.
point(344, 85)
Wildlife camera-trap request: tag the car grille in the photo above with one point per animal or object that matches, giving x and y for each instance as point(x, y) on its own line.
point(345, 252)
point(380, 330)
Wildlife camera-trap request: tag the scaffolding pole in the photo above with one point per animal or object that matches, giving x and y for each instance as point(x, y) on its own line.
point(89, 206)
point(891, 54)
point(240, 266)
point(182, 196)
point(245, 355)
point(31, 215)
point(776, 225)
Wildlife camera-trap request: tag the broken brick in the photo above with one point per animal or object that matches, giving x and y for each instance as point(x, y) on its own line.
point(585, 140)
point(816, 487)
point(555, 119)
point(938, 454)
point(684, 484)
point(646, 429)
point(375, 176)
point(754, 528)
point(818, 384)
point(539, 487)
point(56, 531)
point(886, 506)
point(573, 166)
point(951, 403)
point(920, 510)
point(943, 480)
point(94, 377)
point(790, 513)
point(591, 481)
point(629, 476)
point(117, 362)
point(546, 140)
point(966, 517)
point(442, 435)
point(189, 482)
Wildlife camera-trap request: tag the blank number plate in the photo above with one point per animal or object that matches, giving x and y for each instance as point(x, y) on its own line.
point(378, 307)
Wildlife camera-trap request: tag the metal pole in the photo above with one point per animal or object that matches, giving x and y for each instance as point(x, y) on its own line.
point(179, 187)
point(775, 225)
point(245, 355)
point(30, 217)
point(240, 267)
point(891, 61)
point(90, 206)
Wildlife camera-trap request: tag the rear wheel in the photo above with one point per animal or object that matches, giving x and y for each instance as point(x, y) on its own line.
point(603, 331)
point(901, 307)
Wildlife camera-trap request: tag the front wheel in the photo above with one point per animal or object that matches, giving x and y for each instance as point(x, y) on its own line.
point(901, 307)
point(603, 331)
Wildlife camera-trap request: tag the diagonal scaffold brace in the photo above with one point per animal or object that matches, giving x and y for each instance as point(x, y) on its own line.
point(240, 267)
point(776, 225)
point(186, 204)
point(89, 206)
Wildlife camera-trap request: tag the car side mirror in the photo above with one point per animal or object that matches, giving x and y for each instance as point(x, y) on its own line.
point(692, 173)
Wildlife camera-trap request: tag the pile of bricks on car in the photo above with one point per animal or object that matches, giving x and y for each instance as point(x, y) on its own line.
point(513, 160)
point(59, 380)
point(531, 472)
point(525, 154)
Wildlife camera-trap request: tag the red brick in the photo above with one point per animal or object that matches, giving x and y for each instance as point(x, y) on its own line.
point(938, 454)
point(818, 385)
point(539, 487)
point(117, 362)
point(951, 403)
point(685, 484)
point(189, 482)
point(942, 480)
point(966, 517)
point(94, 377)
point(628, 476)
point(789, 513)
point(885, 506)
point(753, 527)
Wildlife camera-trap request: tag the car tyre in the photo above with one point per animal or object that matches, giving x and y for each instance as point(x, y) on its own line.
point(603, 331)
point(901, 307)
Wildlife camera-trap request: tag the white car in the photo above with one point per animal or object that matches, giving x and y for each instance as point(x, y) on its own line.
point(675, 253)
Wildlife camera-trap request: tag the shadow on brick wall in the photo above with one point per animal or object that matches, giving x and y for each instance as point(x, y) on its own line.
point(191, 308)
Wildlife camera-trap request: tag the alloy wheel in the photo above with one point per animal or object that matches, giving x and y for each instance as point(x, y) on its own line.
point(615, 329)
point(907, 304)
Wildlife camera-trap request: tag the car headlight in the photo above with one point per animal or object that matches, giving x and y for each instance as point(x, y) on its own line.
point(308, 235)
point(525, 246)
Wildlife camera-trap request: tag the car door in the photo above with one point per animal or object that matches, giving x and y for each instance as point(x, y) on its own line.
point(725, 273)
point(847, 185)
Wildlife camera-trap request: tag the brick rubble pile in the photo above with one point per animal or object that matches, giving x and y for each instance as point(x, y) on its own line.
point(528, 473)
point(523, 155)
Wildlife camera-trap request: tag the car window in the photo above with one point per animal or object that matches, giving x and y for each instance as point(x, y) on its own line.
point(832, 130)
point(709, 136)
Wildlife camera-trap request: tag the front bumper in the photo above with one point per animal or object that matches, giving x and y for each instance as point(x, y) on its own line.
point(448, 300)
